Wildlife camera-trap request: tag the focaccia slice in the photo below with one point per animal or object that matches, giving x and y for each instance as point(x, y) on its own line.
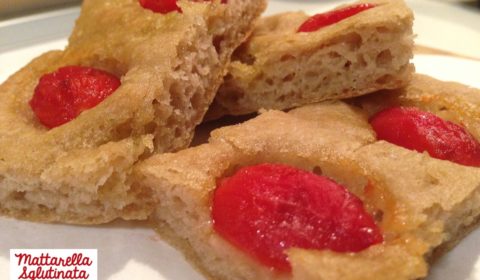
point(422, 205)
point(280, 68)
point(170, 66)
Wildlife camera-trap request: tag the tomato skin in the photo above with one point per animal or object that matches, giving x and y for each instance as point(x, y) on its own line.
point(61, 96)
point(265, 209)
point(164, 6)
point(421, 131)
point(318, 21)
point(160, 6)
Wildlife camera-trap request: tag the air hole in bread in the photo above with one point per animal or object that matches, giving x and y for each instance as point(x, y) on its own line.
point(234, 95)
point(317, 170)
point(361, 60)
point(378, 216)
point(124, 130)
point(334, 55)
point(384, 58)
point(384, 79)
point(289, 77)
point(347, 64)
point(217, 43)
point(17, 195)
point(287, 57)
point(176, 99)
point(227, 77)
point(248, 59)
point(354, 41)
point(269, 81)
point(382, 29)
point(132, 207)
point(242, 55)
point(43, 208)
point(197, 100)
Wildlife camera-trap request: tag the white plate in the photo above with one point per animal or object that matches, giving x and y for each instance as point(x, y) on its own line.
point(132, 250)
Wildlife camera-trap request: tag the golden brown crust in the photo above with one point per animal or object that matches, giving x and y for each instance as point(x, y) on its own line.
point(420, 202)
point(451, 101)
point(279, 68)
point(170, 67)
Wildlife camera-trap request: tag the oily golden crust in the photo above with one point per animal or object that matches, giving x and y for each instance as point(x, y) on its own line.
point(452, 101)
point(170, 67)
point(279, 68)
point(425, 203)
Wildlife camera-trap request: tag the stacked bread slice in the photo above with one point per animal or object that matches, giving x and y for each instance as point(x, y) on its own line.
point(281, 68)
point(170, 66)
point(423, 205)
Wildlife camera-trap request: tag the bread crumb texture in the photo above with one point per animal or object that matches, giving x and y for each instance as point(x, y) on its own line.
point(279, 68)
point(170, 68)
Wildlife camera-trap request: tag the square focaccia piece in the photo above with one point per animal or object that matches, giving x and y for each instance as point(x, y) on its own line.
point(421, 205)
point(169, 65)
point(280, 67)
